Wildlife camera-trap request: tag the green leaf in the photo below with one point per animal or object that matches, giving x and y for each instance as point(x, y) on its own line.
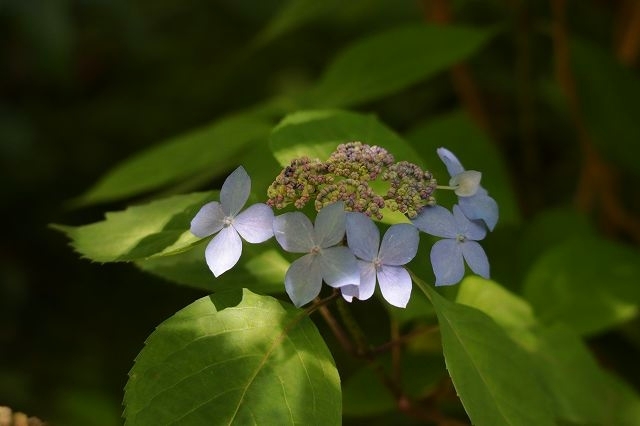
point(474, 149)
point(386, 63)
point(563, 364)
point(609, 96)
point(622, 402)
point(158, 228)
point(261, 269)
point(418, 307)
point(294, 14)
point(589, 284)
point(209, 150)
point(316, 134)
point(513, 313)
point(234, 358)
point(493, 376)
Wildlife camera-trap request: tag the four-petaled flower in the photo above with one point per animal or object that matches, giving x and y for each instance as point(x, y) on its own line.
point(460, 233)
point(382, 261)
point(479, 205)
point(254, 224)
point(324, 258)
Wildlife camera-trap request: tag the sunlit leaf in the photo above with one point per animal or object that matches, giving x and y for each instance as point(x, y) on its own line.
point(589, 284)
point(493, 376)
point(609, 96)
point(316, 134)
point(385, 63)
point(234, 358)
point(212, 150)
point(475, 150)
point(261, 269)
point(160, 227)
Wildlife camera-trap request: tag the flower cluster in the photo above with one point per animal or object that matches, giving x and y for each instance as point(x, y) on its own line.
point(347, 176)
point(343, 247)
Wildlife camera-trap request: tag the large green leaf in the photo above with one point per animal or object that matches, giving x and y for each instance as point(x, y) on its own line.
point(209, 150)
point(385, 63)
point(562, 362)
point(234, 358)
point(493, 376)
point(456, 132)
point(609, 96)
point(316, 134)
point(589, 284)
point(160, 227)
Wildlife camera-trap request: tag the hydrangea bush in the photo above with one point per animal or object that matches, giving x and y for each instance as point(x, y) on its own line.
point(342, 267)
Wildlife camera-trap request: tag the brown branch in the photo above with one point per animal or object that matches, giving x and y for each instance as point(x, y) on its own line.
point(428, 411)
point(629, 37)
point(336, 329)
point(598, 183)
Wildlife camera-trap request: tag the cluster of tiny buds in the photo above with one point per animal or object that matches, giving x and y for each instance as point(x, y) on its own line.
point(411, 188)
point(346, 177)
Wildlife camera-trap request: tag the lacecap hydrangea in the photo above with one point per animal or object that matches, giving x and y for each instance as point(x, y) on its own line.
point(350, 191)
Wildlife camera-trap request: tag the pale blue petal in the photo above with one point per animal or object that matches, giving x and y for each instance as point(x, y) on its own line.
point(476, 258)
point(208, 221)
point(480, 206)
point(399, 244)
point(472, 230)
point(349, 292)
point(452, 163)
point(255, 224)
point(367, 280)
point(437, 221)
point(363, 236)
point(223, 251)
point(303, 280)
point(395, 285)
point(330, 225)
point(447, 262)
point(235, 191)
point(339, 267)
point(294, 232)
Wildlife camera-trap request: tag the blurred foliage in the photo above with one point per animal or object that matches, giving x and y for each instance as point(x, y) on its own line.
point(544, 105)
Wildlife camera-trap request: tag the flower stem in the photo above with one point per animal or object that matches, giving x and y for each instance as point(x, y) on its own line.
point(353, 328)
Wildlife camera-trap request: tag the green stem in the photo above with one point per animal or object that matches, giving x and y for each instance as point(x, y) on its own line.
point(353, 328)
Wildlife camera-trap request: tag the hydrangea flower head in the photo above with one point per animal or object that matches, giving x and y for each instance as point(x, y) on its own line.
point(254, 224)
point(477, 205)
point(459, 244)
point(381, 262)
point(347, 176)
point(324, 259)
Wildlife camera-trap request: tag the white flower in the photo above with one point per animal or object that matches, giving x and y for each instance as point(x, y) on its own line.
point(254, 225)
